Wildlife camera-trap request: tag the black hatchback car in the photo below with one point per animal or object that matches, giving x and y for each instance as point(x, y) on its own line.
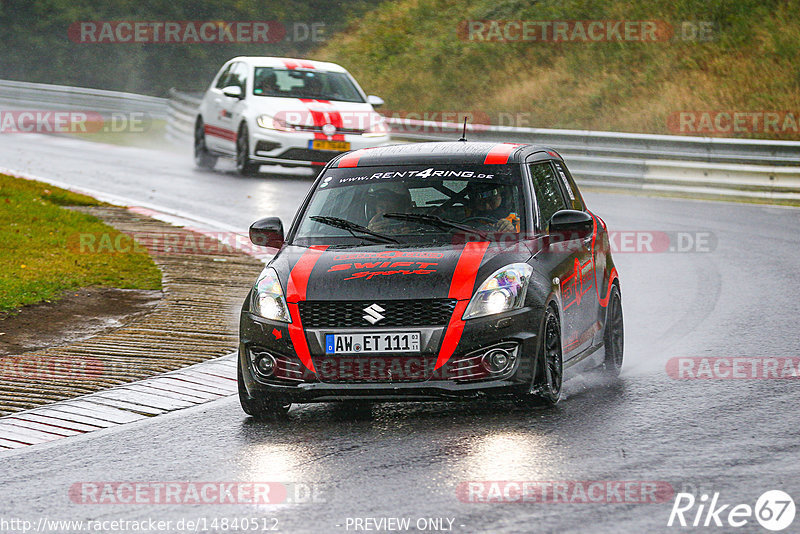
point(431, 271)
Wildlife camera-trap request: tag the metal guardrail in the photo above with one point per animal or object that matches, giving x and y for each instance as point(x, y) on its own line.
point(700, 167)
point(40, 96)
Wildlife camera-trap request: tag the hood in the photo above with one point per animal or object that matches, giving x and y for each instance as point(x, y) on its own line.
point(309, 112)
point(389, 272)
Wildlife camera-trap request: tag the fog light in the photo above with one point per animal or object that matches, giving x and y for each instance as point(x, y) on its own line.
point(265, 365)
point(496, 361)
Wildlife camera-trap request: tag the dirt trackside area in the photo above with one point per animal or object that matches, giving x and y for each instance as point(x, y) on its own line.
point(97, 338)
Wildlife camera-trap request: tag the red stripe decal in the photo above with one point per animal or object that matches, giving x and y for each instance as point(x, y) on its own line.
point(296, 292)
point(350, 160)
point(461, 289)
point(230, 135)
point(289, 64)
point(325, 115)
point(611, 278)
point(499, 154)
point(306, 65)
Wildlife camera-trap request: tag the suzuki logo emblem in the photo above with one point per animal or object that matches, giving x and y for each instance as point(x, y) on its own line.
point(373, 313)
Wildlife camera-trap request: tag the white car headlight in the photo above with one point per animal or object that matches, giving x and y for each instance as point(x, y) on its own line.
point(503, 291)
point(268, 299)
point(271, 123)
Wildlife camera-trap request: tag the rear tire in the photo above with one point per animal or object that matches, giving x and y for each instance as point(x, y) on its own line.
point(244, 164)
point(614, 335)
point(259, 408)
point(202, 157)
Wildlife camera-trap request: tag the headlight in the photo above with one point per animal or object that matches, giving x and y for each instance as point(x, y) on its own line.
point(503, 291)
point(271, 123)
point(379, 129)
point(268, 299)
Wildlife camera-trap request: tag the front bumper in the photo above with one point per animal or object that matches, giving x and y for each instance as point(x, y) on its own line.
point(292, 148)
point(449, 382)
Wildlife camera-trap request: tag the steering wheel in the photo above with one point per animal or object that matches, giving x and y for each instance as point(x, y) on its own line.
point(485, 220)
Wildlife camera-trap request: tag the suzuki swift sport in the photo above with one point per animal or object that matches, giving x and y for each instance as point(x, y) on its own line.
point(431, 271)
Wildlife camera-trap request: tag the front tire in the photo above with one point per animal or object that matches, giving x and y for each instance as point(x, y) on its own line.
point(202, 157)
point(257, 408)
point(614, 335)
point(546, 389)
point(244, 164)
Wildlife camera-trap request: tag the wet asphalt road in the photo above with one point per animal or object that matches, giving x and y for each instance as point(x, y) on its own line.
point(735, 437)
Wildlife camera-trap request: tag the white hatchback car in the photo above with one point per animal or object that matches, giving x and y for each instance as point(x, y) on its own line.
point(281, 111)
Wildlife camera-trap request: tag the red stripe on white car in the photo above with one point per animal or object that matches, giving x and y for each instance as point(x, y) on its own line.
point(461, 289)
point(216, 131)
point(326, 114)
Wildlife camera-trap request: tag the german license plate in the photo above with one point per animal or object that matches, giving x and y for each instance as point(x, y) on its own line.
point(366, 343)
point(323, 144)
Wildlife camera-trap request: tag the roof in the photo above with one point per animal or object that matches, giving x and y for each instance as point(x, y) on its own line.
point(474, 153)
point(289, 63)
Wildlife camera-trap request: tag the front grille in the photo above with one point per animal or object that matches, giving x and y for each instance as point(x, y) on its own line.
point(318, 129)
point(349, 314)
point(305, 154)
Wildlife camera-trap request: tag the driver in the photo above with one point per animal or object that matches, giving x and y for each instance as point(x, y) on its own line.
point(487, 202)
point(388, 198)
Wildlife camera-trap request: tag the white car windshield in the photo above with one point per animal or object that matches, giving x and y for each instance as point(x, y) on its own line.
point(299, 83)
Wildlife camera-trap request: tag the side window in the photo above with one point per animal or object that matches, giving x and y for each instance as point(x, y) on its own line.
point(222, 81)
point(575, 200)
point(238, 76)
point(548, 193)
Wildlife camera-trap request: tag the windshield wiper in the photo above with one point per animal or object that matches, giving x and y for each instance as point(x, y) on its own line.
point(435, 220)
point(352, 227)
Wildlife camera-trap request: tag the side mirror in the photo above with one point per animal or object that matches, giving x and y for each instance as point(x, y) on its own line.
point(267, 232)
point(566, 225)
point(375, 101)
point(233, 91)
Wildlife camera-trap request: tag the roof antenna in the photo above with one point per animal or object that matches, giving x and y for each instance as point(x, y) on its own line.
point(464, 133)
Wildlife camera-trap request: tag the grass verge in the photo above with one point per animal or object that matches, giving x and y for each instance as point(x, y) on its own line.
point(36, 261)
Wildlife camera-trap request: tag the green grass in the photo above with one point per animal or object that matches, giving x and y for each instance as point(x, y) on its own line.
point(409, 53)
point(37, 261)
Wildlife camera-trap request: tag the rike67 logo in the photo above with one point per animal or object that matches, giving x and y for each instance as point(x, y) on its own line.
point(774, 510)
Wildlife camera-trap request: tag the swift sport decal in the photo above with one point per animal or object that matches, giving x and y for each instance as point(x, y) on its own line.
point(461, 290)
point(296, 292)
point(386, 268)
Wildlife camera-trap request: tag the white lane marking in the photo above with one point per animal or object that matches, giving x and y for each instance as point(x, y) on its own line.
point(127, 403)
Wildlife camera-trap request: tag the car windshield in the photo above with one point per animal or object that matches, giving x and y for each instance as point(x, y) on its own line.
point(414, 204)
point(297, 83)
